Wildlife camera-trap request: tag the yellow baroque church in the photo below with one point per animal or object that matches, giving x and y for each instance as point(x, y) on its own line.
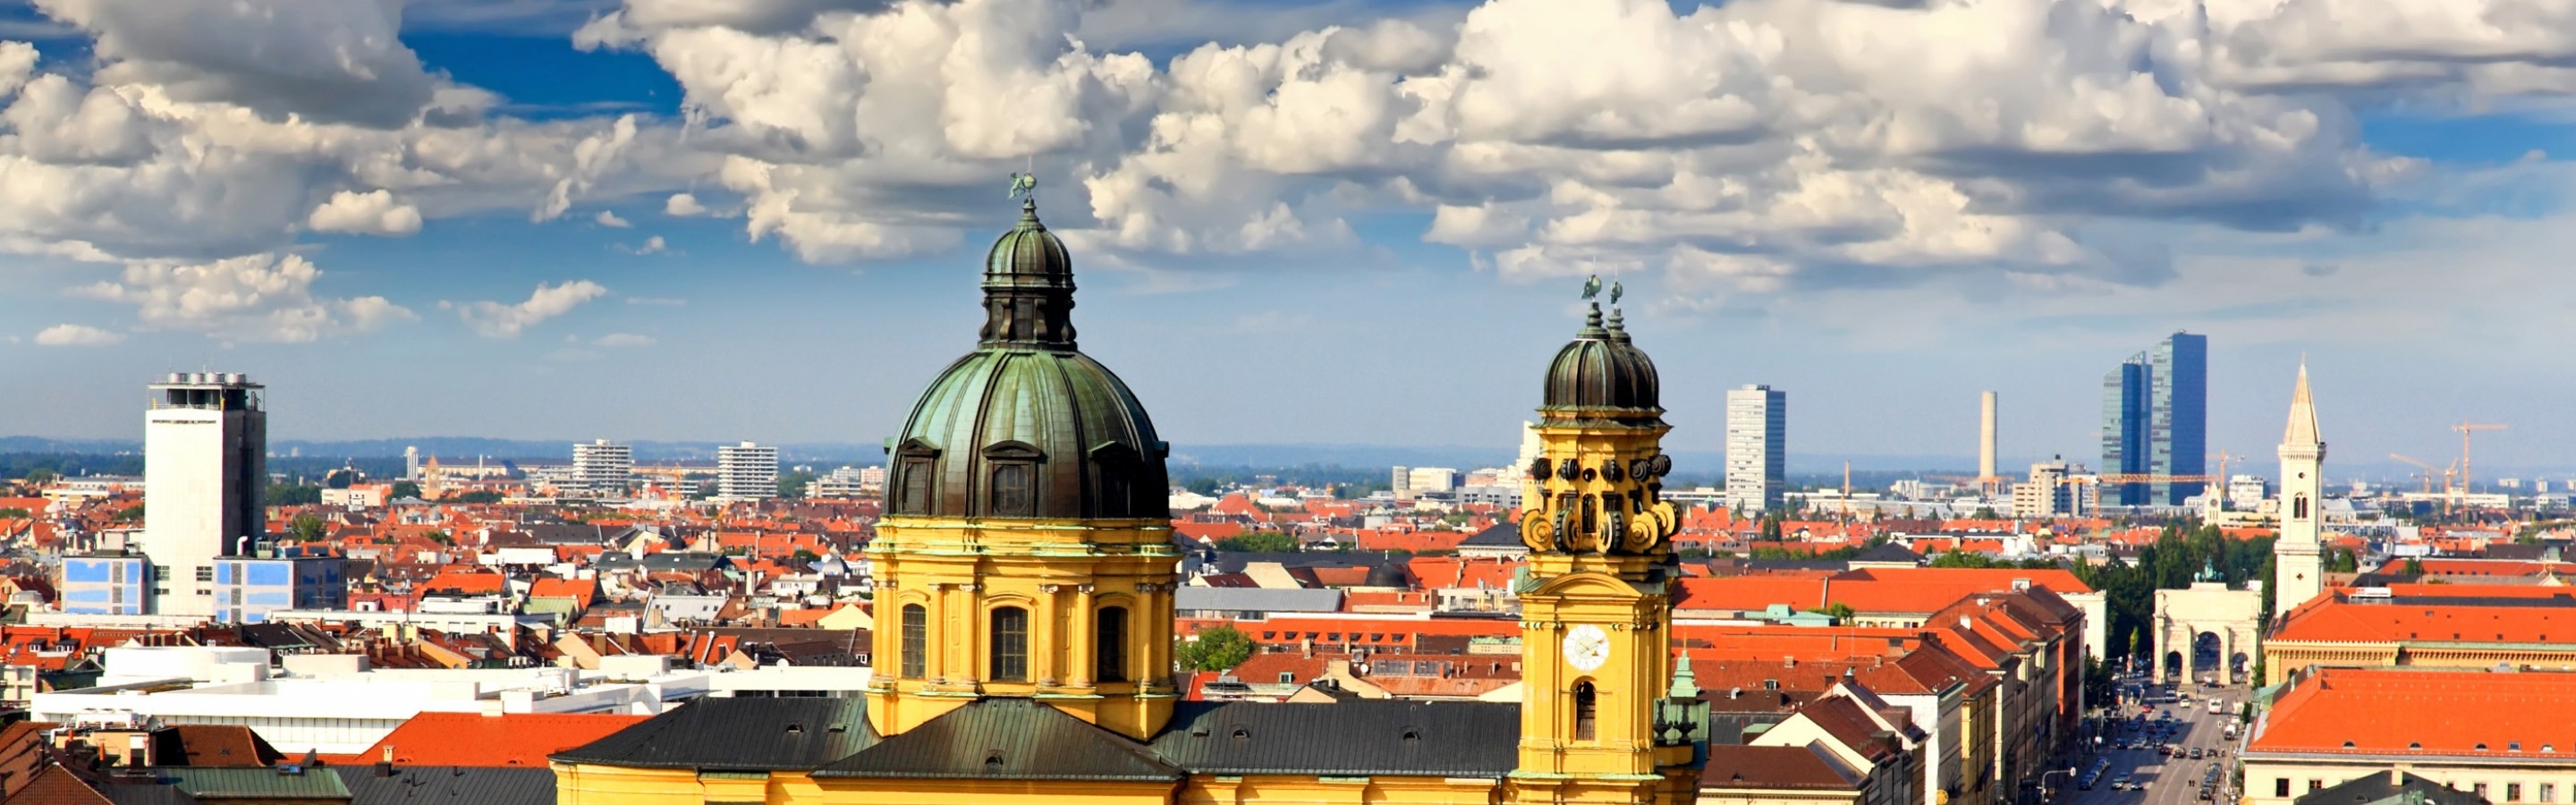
point(1024, 617)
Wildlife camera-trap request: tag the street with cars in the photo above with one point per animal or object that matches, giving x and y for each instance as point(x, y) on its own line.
point(2162, 746)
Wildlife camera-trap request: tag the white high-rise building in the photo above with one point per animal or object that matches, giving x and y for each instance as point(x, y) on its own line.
point(603, 469)
point(746, 472)
point(1757, 453)
point(2298, 569)
point(411, 463)
point(205, 474)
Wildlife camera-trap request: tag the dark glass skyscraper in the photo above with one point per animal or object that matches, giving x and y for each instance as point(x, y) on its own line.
point(2155, 414)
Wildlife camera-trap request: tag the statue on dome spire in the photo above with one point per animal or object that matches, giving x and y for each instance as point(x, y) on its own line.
point(1616, 291)
point(1591, 287)
point(1025, 186)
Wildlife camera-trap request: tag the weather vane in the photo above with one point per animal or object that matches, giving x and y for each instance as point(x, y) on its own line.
point(1024, 185)
point(1591, 287)
point(1615, 292)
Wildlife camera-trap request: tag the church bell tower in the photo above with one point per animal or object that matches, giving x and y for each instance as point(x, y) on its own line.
point(2298, 570)
point(1596, 614)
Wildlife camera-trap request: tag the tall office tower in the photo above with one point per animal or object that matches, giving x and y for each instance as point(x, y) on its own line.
point(1757, 453)
point(746, 472)
point(411, 463)
point(1986, 439)
point(2297, 566)
point(205, 472)
point(2155, 410)
point(1401, 482)
point(601, 468)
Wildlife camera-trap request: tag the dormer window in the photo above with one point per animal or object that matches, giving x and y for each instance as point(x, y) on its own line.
point(1013, 490)
point(916, 462)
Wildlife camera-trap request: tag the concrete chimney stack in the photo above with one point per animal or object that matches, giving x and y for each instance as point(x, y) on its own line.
point(1986, 438)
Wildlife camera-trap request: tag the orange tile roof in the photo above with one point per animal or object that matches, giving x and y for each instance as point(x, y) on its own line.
point(2381, 711)
point(2336, 619)
point(474, 739)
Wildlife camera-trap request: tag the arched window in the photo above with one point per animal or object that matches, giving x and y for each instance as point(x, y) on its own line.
point(1584, 709)
point(1111, 649)
point(1591, 515)
point(1010, 644)
point(2299, 507)
point(916, 641)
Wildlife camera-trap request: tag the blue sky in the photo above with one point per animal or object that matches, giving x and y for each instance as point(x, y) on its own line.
point(442, 219)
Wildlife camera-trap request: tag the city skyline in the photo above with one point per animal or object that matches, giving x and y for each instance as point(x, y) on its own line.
point(1398, 281)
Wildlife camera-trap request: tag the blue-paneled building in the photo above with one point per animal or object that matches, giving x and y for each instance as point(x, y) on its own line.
point(109, 584)
point(247, 589)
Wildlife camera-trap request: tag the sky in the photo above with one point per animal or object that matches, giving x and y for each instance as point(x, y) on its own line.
point(1295, 222)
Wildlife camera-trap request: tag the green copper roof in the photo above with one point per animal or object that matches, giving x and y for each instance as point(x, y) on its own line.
point(1026, 426)
point(1600, 375)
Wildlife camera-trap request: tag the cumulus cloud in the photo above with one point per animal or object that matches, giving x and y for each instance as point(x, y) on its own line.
point(259, 297)
point(609, 219)
point(325, 60)
point(77, 335)
point(1754, 145)
point(623, 340)
point(651, 245)
point(500, 320)
point(370, 213)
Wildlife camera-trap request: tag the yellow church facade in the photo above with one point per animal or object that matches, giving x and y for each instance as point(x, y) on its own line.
point(1023, 618)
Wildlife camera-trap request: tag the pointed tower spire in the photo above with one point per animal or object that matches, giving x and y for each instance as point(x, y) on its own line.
point(2303, 413)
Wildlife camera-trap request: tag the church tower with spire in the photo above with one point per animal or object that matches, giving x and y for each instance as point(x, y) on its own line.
point(2299, 572)
point(1596, 611)
point(1025, 550)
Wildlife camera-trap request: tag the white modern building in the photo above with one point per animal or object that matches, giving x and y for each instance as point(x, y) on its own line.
point(1757, 453)
point(205, 472)
point(602, 468)
point(335, 704)
point(1419, 480)
point(848, 482)
point(746, 471)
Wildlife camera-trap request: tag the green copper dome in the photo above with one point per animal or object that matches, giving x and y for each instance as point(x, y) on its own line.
point(1026, 426)
point(1600, 375)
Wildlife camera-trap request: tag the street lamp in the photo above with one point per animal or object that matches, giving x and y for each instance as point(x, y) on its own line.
point(2043, 780)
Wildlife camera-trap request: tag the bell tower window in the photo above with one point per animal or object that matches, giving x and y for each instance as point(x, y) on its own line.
point(1010, 644)
point(2299, 507)
point(916, 641)
point(1111, 651)
point(1586, 723)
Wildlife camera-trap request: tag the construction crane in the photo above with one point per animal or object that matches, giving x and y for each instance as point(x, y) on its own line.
point(2448, 474)
point(2466, 428)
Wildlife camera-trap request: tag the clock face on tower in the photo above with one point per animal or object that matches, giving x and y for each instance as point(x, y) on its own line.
point(1586, 647)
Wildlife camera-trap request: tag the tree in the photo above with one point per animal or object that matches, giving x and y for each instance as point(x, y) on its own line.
point(13, 512)
point(1215, 649)
point(1839, 611)
point(804, 557)
point(41, 476)
point(442, 538)
point(1984, 513)
point(1258, 542)
point(406, 489)
point(2413, 566)
point(130, 514)
point(792, 484)
point(306, 528)
point(476, 496)
point(293, 495)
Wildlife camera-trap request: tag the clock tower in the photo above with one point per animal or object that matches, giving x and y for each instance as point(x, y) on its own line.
point(1596, 614)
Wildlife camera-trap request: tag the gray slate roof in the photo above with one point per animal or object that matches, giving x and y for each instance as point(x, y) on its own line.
point(1498, 535)
point(2375, 788)
point(1371, 737)
point(738, 734)
point(1256, 599)
point(448, 784)
point(1006, 739)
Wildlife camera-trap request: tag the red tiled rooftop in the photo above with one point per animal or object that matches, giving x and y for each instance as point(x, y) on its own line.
point(2381, 711)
